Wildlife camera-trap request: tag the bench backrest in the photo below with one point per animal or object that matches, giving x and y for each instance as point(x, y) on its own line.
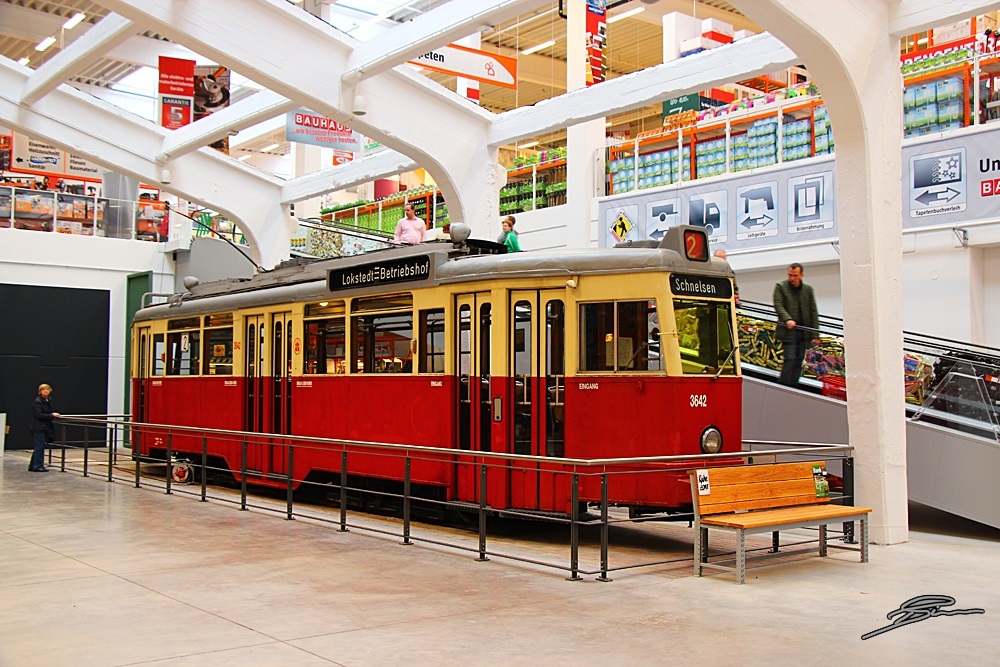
point(753, 487)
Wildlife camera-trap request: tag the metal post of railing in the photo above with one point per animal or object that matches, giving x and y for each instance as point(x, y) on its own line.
point(112, 452)
point(289, 509)
point(243, 477)
point(482, 513)
point(406, 502)
point(574, 531)
point(204, 469)
point(86, 448)
point(62, 450)
point(170, 466)
point(136, 458)
point(604, 528)
point(849, 497)
point(343, 491)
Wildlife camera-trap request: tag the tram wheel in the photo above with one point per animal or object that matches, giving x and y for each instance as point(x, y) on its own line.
point(182, 473)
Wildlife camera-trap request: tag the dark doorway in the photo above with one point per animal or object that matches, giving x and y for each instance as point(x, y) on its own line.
point(58, 336)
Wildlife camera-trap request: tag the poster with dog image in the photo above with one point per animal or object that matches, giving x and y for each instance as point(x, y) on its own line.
point(211, 94)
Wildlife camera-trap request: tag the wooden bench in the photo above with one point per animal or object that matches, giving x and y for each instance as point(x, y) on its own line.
point(766, 499)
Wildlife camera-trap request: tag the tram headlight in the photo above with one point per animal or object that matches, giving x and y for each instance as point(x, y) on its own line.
point(711, 440)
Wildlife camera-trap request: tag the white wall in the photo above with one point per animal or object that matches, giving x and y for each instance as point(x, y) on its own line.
point(64, 260)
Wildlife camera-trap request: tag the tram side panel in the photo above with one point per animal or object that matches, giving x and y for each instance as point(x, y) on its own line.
point(201, 402)
point(398, 409)
point(623, 417)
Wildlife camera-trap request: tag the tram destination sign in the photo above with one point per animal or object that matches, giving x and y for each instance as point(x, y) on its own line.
point(682, 284)
point(402, 270)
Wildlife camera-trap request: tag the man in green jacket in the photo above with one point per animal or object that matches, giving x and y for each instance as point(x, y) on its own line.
point(798, 322)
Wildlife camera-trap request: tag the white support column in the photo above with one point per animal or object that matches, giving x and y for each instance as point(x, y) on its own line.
point(584, 166)
point(855, 61)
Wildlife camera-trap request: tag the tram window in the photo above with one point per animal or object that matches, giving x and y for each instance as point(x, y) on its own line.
point(183, 350)
point(325, 347)
point(325, 309)
point(218, 353)
point(383, 342)
point(705, 336)
point(382, 302)
point(219, 320)
point(432, 335)
point(618, 336)
point(183, 323)
point(159, 355)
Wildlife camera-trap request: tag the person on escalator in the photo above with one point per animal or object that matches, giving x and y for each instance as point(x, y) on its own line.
point(798, 322)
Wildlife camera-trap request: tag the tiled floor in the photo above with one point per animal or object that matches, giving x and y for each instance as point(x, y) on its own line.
point(93, 573)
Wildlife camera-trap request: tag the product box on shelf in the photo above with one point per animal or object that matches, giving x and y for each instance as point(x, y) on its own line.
point(925, 93)
point(719, 37)
point(949, 111)
point(715, 25)
point(910, 98)
point(699, 42)
point(947, 89)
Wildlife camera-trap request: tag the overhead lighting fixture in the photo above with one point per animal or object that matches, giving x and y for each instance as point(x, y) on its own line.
point(244, 157)
point(530, 144)
point(45, 43)
point(268, 148)
point(24, 61)
point(625, 15)
point(539, 47)
point(74, 21)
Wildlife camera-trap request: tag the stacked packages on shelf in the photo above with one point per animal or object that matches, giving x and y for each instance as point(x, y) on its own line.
point(934, 106)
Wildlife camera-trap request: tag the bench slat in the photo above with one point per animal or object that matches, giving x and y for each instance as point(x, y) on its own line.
point(761, 473)
point(758, 504)
point(786, 515)
point(803, 489)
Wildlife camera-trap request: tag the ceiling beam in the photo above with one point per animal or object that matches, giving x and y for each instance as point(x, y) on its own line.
point(111, 31)
point(257, 108)
point(379, 165)
point(433, 29)
point(740, 60)
point(907, 17)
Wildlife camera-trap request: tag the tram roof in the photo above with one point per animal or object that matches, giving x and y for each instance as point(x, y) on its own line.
point(450, 265)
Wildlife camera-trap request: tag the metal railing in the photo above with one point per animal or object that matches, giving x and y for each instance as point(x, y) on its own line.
point(590, 482)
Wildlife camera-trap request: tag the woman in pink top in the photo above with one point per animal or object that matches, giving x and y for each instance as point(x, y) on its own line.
point(409, 229)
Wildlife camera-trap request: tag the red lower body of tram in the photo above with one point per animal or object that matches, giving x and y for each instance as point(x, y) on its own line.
point(593, 418)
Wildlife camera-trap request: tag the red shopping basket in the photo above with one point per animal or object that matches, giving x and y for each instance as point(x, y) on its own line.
point(834, 386)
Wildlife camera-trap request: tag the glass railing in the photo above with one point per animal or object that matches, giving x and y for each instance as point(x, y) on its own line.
point(85, 215)
point(951, 384)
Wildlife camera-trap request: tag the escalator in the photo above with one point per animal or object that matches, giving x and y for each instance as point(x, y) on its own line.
point(952, 405)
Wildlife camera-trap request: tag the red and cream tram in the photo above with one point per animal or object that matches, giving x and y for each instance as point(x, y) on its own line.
point(601, 353)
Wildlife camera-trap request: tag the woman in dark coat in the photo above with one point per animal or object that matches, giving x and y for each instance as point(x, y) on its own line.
point(42, 429)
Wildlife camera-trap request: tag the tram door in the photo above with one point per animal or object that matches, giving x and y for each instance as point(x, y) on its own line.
point(474, 314)
point(536, 411)
point(254, 388)
point(280, 392)
point(140, 409)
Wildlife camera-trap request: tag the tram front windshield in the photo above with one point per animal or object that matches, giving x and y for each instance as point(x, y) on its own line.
point(705, 335)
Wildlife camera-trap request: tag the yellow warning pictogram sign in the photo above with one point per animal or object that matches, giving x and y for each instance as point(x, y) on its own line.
point(621, 227)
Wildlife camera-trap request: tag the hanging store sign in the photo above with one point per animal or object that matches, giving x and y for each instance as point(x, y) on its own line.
point(30, 156)
point(597, 37)
point(176, 90)
point(305, 127)
point(403, 270)
point(471, 64)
